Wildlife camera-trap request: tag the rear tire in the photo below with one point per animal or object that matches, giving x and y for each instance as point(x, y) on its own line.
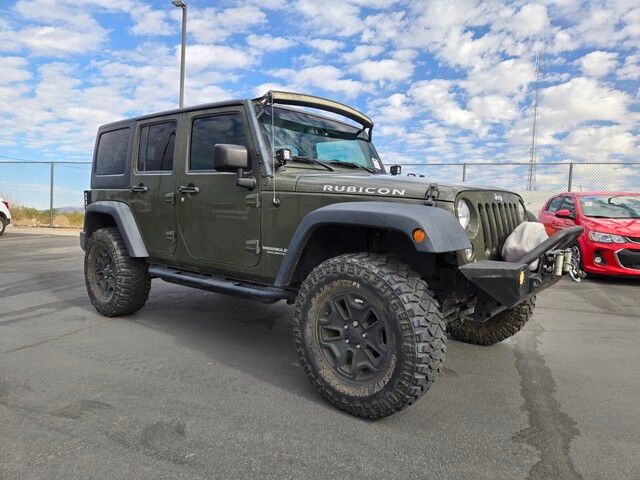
point(368, 334)
point(3, 225)
point(504, 325)
point(117, 283)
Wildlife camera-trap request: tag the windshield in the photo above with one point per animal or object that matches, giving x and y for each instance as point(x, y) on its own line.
point(611, 206)
point(319, 138)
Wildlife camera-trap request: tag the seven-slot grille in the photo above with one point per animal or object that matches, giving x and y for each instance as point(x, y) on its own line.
point(497, 221)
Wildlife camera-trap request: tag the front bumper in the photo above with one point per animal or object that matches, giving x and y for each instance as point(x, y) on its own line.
point(614, 258)
point(502, 285)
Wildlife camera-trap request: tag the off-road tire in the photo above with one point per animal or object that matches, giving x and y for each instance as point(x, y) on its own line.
point(3, 224)
point(416, 338)
point(131, 280)
point(504, 325)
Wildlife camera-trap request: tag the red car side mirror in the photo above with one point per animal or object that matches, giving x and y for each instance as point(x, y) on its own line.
point(564, 213)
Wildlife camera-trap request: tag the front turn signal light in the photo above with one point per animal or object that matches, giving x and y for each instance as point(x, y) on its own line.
point(419, 235)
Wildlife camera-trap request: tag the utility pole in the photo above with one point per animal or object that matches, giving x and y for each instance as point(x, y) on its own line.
point(52, 167)
point(183, 46)
point(532, 159)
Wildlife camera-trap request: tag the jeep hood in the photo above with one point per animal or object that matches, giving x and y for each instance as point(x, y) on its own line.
point(393, 186)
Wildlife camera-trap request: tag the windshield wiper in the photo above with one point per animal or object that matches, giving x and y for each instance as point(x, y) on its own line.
point(351, 165)
point(311, 161)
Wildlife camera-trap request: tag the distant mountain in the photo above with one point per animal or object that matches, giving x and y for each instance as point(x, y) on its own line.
point(69, 209)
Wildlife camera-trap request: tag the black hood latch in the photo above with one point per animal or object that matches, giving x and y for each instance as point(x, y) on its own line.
point(432, 195)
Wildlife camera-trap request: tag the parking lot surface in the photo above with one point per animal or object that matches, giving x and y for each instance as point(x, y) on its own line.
point(198, 385)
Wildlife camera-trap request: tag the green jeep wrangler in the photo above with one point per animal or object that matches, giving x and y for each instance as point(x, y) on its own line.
point(265, 199)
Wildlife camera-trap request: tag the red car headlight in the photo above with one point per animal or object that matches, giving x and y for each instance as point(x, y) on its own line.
point(606, 237)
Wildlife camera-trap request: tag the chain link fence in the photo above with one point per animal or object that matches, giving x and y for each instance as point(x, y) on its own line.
point(537, 182)
point(45, 193)
point(53, 190)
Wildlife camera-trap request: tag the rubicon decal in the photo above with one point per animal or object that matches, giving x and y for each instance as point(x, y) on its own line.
point(398, 192)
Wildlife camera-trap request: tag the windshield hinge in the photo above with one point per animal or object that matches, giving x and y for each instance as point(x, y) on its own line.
point(432, 195)
point(253, 200)
point(253, 246)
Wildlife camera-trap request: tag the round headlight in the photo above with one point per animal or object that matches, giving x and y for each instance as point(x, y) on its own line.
point(464, 213)
point(521, 212)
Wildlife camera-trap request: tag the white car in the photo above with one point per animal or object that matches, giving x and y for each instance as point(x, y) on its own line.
point(5, 215)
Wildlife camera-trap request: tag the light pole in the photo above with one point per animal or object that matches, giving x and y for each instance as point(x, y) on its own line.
point(183, 6)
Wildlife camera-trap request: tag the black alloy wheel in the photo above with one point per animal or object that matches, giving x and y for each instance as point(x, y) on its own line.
point(104, 272)
point(353, 335)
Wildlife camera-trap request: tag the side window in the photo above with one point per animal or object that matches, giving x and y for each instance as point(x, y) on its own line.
point(157, 143)
point(554, 205)
point(569, 204)
point(208, 131)
point(112, 152)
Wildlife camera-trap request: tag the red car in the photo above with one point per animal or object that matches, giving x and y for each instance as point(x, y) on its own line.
point(611, 241)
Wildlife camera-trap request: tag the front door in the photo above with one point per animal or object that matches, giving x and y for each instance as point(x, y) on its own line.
point(153, 184)
point(218, 221)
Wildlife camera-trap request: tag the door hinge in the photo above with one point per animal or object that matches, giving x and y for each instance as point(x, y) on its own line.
point(170, 235)
point(170, 198)
point(253, 200)
point(432, 195)
point(253, 246)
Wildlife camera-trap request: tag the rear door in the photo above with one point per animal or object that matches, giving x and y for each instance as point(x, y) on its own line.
point(218, 221)
point(152, 198)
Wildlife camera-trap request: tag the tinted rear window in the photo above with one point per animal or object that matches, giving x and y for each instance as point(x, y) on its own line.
point(112, 152)
point(157, 143)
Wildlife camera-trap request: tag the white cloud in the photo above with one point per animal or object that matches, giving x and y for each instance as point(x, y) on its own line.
point(631, 68)
point(436, 95)
point(598, 64)
point(362, 52)
point(209, 25)
point(269, 43)
point(581, 100)
point(388, 69)
point(325, 45)
point(324, 77)
point(152, 22)
point(531, 19)
point(600, 144)
point(57, 41)
point(201, 56)
point(330, 16)
point(13, 69)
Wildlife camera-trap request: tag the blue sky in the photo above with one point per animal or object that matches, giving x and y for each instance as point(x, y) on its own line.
point(446, 81)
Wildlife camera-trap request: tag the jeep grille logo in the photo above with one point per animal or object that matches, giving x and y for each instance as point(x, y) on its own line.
point(366, 190)
point(497, 197)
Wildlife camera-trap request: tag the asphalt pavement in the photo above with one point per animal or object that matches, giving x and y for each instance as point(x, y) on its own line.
point(198, 385)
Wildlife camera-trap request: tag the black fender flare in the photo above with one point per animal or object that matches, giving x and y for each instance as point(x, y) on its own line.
point(444, 232)
point(121, 214)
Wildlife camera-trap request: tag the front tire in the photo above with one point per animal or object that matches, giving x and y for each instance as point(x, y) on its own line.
point(3, 225)
point(368, 334)
point(117, 283)
point(498, 328)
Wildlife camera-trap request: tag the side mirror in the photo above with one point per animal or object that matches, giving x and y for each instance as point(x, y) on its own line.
point(395, 169)
point(564, 213)
point(230, 157)
point(233, 157)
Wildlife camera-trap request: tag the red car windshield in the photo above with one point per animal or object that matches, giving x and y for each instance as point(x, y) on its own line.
point(611, 206)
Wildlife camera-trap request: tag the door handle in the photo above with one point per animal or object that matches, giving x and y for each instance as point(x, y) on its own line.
point(139, 188)
point(192, 189)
